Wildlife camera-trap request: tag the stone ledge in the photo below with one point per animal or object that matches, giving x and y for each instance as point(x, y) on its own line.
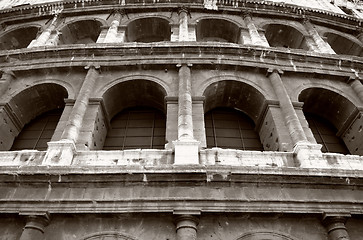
point(127, 54)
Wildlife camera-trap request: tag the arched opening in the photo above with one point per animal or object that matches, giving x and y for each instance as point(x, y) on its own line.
point(230, 128)
point(38, 132)
point(327, 113)
point(32, 115)
point(279, 35)
point(137, 110)
point(148, 30)
point(19, 38)
point(232, 110)
point(137, 127)
point(81, 32)
point(217, 30)
point(342, 45)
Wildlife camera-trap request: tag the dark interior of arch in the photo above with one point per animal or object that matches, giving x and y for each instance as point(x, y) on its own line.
point(234, 94)
point(81, 32)
point(328, 105)
point(136, 127)
point(217, 30)
point(342, 45)
point(148, 30)
point(37, 100)
point(134, 93)
point(38, 132)
point(279, 35)
point(325, 134)
point(19, 38)
point(230, 128)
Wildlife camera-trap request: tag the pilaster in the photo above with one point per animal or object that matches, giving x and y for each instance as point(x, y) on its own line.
point(253, 32)
point(45, 35)
point(323, 46)
point(74, 123)
point(357, 86)
point(304, 150)
point(335, 226)
point(183, 25)
point(5, 80)
point(35, 226)
point(186, 226)
point(186, 147)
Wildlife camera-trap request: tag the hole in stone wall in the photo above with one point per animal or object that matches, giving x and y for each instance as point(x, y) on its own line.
point(279, 35)
point(217, 30)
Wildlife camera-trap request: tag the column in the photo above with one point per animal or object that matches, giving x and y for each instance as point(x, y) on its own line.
point(183, 25)
point(186, 227)
point(185, 121)
point(34, 227)
point(323, 46)
point(6, 78)
point(113, 35)
point(62, 152)
point(304, 150)
point(186, 147)
point(335, 226)
point(357, 86)
point(254, 34)
point(45, 35)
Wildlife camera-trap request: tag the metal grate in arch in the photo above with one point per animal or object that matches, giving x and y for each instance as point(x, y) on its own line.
point(38, 132)
point(325, 134)
point(138, 127)
point(229, 128)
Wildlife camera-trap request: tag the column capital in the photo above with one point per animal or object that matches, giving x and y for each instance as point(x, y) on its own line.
point(186, 221)
point(332, 218)
point(92, 65)
point(36, 220)
point(183, 9)
point(246, 14)
point(179, 65)
point(8, 72)
point(272, 70)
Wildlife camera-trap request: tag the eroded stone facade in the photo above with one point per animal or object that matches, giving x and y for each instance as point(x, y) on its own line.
point(233, 120)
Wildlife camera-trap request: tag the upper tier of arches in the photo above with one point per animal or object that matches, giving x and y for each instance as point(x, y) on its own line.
point(161, 28)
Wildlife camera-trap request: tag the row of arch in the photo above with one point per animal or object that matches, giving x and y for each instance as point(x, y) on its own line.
point(137, 116)
point(156, 29)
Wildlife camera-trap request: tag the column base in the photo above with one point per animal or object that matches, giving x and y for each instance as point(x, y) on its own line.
point(308, 154)
point(60, 153)
point(186, 152)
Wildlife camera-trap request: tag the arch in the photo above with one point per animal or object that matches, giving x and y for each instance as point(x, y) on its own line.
point(332, 107)
point(154, 79)
point(26, 106)
point(230, 128)
point(207, 82)
point(283, 35)
point(235, 94)
point(265, 235)
point(327, 104)
point(217, 30)
point(344, 45)
point(150, 29)
point(80, 31)
point(110, 235)
point(134, 93)
point(18, 38)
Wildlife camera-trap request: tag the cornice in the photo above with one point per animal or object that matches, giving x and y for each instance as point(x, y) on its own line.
point(208, 189)
point(254, 7)
point(207, 54)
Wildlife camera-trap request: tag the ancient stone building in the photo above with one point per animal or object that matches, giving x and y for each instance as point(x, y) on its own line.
point(181, 120)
